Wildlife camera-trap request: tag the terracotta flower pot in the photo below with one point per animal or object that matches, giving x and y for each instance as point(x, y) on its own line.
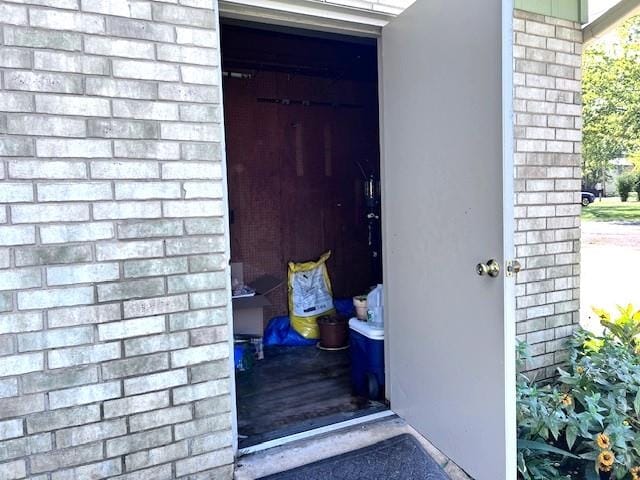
point(334, 331)
point(360, 303)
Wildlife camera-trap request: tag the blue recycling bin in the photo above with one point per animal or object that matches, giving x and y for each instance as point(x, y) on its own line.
point(367, 359)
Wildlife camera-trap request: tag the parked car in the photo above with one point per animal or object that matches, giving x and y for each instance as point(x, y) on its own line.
point(587, 199)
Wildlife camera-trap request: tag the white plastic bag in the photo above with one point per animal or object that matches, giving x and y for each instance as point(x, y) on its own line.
point(310, 295)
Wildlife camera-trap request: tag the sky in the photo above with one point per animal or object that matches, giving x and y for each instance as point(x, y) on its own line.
point(598, 7)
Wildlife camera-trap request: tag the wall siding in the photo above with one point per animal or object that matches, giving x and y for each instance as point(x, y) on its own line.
point(113, 258)
point(573, 10)
point(548, 121)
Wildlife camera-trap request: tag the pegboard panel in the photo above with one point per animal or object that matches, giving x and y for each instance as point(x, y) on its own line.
point(295, 189)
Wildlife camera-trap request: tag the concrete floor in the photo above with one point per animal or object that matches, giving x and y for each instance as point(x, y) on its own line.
point(610, 268)
point(302, 452)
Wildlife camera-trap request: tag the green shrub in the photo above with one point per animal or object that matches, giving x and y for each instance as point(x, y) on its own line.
point(588, 422)
point(637, 174)
point(627, 183)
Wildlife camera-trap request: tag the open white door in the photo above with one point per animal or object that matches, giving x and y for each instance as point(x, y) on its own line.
point(447, 205)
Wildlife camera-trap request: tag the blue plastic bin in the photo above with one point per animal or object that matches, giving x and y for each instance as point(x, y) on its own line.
point(367, 359)
point(242, 356)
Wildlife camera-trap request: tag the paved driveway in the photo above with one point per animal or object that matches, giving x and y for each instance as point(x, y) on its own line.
point(610, 268)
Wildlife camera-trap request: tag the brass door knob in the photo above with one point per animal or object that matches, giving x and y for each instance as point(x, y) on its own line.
point(491, 268)
point(513, 267)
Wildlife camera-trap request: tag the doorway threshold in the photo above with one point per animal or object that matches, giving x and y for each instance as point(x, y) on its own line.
point(324, 425)
point(330, 443)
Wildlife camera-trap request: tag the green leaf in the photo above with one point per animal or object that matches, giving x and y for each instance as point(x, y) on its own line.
point(590, 472)
point(522, 466)
point(543, 447)
point(636, 403)
point(593, 344)
point(569, 380)
point(571, 434)
point(589, 456)
point(603, 314)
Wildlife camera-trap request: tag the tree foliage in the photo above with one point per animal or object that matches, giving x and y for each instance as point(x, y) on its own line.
point(611, 100)
point(627, 183)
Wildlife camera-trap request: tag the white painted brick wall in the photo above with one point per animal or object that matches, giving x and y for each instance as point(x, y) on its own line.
point(548, 135)
point(109, 139)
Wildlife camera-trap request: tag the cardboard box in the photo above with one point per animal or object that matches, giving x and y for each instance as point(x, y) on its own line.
point(248, 312)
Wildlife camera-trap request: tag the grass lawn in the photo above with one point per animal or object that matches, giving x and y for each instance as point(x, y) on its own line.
point(613, 210)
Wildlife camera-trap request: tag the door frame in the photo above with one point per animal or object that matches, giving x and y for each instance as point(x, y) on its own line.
point(508, 234)
point(227, 251)
point(348, 21)
point(305, 14)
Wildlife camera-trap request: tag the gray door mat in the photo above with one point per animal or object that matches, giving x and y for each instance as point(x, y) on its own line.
point(397, 458)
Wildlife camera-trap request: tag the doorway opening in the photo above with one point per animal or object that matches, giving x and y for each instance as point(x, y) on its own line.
point(303, 167)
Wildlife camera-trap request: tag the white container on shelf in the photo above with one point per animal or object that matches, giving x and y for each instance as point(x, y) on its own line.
point(375, 307)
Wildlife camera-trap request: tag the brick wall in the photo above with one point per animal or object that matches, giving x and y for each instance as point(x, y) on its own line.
point(548, 119)
point(113, 334)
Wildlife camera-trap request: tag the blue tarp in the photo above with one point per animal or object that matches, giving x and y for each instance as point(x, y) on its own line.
point(279, 331)
point(344, 307)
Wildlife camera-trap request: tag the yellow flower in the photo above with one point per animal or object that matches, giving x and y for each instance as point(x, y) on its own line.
point(579, 370)
point(603, 441)
point(566, 400)
point(606, 460)
point(635, 473)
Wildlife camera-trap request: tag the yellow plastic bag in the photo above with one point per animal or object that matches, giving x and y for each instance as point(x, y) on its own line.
point(310, 295)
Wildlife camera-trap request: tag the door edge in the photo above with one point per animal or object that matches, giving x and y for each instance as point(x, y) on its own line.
point(508, 240)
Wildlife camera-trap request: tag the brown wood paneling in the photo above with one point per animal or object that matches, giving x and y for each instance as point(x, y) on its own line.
point(287, 204)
